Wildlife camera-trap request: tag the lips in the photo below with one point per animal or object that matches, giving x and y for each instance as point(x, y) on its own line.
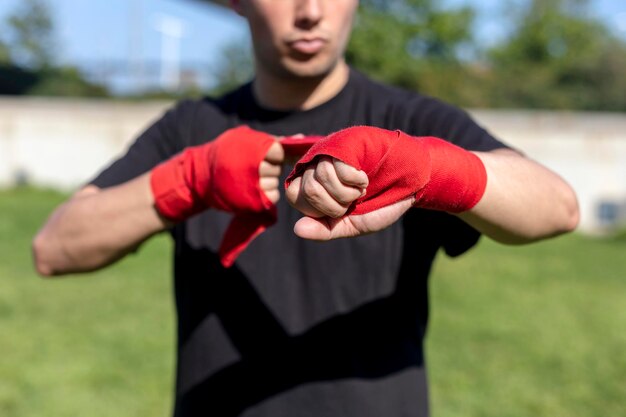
point(307, 46)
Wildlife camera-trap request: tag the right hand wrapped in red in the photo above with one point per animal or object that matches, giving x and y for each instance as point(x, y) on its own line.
point(225, 174)
point(361, 179)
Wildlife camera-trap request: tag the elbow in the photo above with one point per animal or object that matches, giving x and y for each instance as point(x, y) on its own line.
point(571, 212)
point(41, 249)
point(573, 219)
point(562, 217)
point(567, 218)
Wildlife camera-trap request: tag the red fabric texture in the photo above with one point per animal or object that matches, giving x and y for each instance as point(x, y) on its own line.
point(249, 223)
point(441, 176)
point(222, 174)
point(298, 146)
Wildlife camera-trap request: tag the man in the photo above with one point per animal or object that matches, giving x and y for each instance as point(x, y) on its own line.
point(298, 327)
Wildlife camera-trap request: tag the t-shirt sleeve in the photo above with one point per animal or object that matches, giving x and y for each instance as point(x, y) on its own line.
point(432, 117)
point(163, 139)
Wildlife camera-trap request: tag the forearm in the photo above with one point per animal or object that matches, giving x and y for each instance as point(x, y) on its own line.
point(501, 193)
point(523, 201)
point(97, 227)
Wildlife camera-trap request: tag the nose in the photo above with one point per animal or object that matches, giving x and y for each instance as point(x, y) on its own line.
point(308, 13)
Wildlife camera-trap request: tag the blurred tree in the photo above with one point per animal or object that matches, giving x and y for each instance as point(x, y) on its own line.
point(558, 56)
point(415, 44)
point(31, 32)
point(235, 68)
point(27, 52)
point(15, 80)
point(5, 57)
point(66, 81)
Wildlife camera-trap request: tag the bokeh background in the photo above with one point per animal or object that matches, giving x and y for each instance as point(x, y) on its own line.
point(538, 330)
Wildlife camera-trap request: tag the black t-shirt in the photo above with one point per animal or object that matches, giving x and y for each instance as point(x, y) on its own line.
point(301, 328)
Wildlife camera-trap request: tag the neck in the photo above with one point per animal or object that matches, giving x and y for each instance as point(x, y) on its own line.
point(299, 93)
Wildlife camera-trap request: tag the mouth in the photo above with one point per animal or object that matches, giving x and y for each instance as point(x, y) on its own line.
point(307, 46)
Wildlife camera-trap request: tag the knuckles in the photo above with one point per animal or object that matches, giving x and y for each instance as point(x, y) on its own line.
point(312, 189)
point(313, 194)
point(322, 172)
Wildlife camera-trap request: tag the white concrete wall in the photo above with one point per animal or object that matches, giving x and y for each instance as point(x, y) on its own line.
point(63, 142)
point(587, 149)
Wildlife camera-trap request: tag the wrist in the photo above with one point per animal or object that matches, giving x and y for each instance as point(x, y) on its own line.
point(175, 196)
point(458, 177)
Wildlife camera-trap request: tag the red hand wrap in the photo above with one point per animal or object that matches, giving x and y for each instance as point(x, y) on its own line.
point(298, 146)
point(440, 175)
point(248, 224)
point(222, 174)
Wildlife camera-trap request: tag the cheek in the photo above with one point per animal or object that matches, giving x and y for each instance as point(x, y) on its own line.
point(343, 16)
point(271, 20)
point(264, 44)
point(268, 30)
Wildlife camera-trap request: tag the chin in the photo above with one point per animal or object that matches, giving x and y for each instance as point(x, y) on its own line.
point(307, 68)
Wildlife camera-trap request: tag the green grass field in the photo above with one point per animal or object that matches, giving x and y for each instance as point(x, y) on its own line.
point(530, 331)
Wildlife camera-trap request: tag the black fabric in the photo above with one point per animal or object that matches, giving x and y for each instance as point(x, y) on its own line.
point(300, 328)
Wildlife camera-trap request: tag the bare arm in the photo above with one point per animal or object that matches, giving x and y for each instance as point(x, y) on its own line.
point(96, 227)
point(523, 202)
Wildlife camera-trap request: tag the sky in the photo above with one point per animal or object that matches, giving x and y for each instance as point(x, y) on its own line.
point(105, 35)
